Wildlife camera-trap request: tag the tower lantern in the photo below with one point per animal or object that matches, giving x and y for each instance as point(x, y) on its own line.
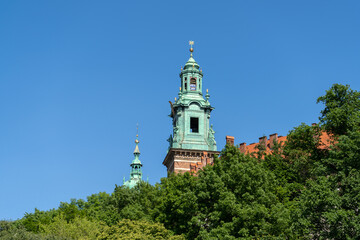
point(192, 144)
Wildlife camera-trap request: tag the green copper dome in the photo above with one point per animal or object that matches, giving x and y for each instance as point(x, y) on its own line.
point(191, 64)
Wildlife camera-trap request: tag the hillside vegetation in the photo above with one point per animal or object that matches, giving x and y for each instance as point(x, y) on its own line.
point(299, 191)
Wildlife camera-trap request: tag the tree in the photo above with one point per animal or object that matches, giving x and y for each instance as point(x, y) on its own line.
point(178, 202)
point(137, 230)
point(101, 207)
point(329, 206)
point(342, 109)
point(13, 231)
point(77, 228)
point(234, 198)
point(329, 209)
point(249, 207)
point(136, 203)
point(32, 221)
point(302, 149)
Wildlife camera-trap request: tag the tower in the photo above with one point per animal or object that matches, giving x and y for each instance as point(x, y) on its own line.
point(135, 172)
point(192, 144)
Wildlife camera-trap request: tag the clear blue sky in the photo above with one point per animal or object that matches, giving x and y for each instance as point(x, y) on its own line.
point(76, 77)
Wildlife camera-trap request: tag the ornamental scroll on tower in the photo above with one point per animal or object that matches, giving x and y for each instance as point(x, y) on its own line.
point(192, 144)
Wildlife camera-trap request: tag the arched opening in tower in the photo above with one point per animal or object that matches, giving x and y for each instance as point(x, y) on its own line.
point(193, 84)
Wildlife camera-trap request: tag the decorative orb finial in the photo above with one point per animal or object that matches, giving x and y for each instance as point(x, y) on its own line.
point(175, 99)
point(191, 43)
point(207, 90)
point(180, 88)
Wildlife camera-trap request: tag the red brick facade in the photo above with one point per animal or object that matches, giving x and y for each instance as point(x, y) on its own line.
point(186, 160)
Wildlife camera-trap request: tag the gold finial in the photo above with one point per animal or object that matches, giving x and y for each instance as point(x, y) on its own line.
point(137, 129)
point(181, 68)
point(193, 65)
point(201, 70)
point(175, 99)
point(191, 43)
point(137, 133)
point(180, 88)
point(207, 90)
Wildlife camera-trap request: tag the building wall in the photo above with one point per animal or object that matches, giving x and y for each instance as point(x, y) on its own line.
point(182, 160)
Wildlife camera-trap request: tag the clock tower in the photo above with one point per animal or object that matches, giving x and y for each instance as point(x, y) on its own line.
point(192, 144)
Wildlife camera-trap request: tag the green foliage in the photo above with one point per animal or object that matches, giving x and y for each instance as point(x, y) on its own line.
point(32, 221)
point(329, 206)
point(70, 211)
point(247, 205)
point(77, 228)
point(13, 231)
point(302, 150)
point(137, 230)
point(234, 198)
point(101, 207)
point(329, 209)
point(136, 203)
point(345, 155)
point(178, 202)
point(342, 109)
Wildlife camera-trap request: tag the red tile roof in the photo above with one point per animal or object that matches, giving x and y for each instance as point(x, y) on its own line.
point(254, 147)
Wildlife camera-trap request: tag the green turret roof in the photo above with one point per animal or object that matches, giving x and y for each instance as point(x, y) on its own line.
point(191, 63)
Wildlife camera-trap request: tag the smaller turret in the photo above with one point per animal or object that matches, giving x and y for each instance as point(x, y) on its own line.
point(135, 172)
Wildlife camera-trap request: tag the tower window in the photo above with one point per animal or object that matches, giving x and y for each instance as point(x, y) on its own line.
point(185, 84)
point(193, 84)
point(194, 125)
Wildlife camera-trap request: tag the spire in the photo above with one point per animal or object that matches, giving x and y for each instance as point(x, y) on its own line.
point(136, 152)
point(135, 172)
point(191, 64)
